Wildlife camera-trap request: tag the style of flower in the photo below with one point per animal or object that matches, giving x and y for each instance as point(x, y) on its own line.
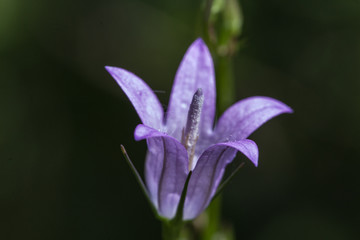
point(184, 140)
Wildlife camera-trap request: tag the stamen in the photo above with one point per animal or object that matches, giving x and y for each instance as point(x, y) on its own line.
point(191, 131)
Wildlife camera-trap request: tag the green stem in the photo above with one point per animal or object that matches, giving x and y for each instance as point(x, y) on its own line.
point(171, 231)
point(213, 214)
point(225, 82)
point(225, 97)
point(225, 85)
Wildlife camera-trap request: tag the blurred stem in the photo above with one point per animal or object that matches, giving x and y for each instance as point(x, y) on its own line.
point(213, 215)
point(224, 82)
point(207, 10)
point(225, 97)
point(171, 231)
point(205, 24)
point(221, 28)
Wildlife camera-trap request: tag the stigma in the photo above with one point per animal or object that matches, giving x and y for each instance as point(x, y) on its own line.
point(190, 133)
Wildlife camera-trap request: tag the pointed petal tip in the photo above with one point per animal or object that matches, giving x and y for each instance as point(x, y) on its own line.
point(140, 132)
point(200, 43)
point(289, 110)
point(285, 108)
point(109, 68)
point(199, 40)
point(143, 132)
point(255, 162)
point(112, 70)
point(253, 152)
point(142, 97)
point(195, 71)
point(247, 147)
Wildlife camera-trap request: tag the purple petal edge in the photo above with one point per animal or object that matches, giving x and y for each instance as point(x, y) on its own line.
point(209, 171)
point(195, 71)
point(166, 169)
point(141, 96)
point(245, 116)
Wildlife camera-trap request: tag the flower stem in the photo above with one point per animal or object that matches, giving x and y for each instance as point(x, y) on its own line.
point(213, 214)
point(171, 231)
point(225, 82)
point(222, 27)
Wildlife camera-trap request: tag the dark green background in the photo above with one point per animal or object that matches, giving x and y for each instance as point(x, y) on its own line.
point(62, 117)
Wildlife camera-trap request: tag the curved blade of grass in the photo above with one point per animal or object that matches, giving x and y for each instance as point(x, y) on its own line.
point(138, 178)
point(227, 180)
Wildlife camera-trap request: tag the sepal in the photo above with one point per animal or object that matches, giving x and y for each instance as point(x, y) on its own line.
point(138, 179)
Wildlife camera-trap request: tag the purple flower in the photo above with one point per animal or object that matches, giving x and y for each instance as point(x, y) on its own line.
point(184, 139)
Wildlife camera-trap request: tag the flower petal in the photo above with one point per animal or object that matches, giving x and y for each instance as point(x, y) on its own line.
point(166, 169)
point(208, 173)
point(245, 116)
point(195, 71)
point(141, 96)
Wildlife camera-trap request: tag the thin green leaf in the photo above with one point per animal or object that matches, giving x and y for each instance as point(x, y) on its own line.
point(226, 182)
point(138, 178)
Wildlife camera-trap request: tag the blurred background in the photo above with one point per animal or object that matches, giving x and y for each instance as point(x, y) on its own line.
point(62, 117)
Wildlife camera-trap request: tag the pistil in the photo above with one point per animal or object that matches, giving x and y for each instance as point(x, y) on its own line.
point(191, 131)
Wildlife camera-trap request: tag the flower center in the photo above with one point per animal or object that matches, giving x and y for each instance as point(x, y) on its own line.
point(190, 133)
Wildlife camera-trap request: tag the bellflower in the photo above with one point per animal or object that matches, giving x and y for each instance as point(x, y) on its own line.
point(185, 140)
